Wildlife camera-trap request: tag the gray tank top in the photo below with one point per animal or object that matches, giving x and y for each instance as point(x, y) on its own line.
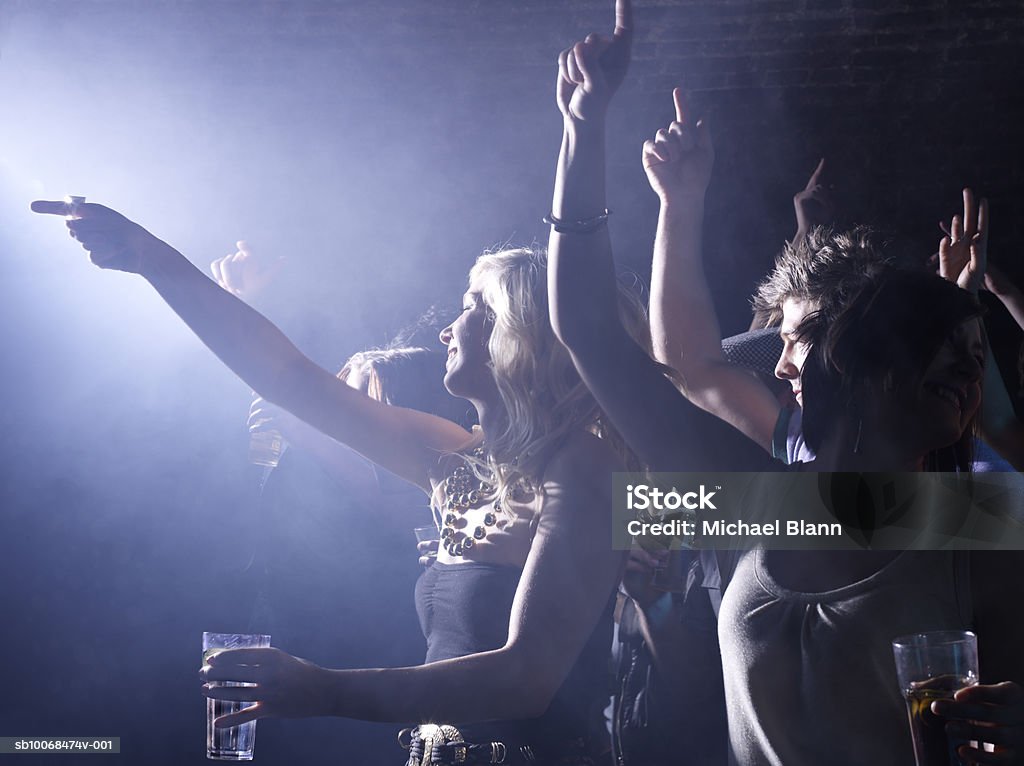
point(810, 677)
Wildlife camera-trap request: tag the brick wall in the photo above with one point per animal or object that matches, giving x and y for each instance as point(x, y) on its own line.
point(439, 115)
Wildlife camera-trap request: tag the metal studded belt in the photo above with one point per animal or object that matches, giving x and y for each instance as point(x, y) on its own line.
point(444, 745)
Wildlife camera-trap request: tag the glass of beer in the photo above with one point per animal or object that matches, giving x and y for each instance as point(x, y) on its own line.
point(235, 743)
point(933, 666)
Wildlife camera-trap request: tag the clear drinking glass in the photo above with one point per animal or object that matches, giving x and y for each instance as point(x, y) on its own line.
point(266, 448)
point(236, 743)
point(934, 666)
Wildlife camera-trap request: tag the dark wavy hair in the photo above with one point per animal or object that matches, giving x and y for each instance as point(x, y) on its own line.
point(826, 267)
point(882, 342)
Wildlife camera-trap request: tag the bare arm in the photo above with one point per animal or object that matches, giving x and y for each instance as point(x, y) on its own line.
point(963, 259)
point(997, 283)
point(566, 584)
point(684, 324)
point(405, 442)
point(658, 422)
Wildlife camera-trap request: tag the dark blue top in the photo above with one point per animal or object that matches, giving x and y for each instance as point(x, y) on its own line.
point(465, 608)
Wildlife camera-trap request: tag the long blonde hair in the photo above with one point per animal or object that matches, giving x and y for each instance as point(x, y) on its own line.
point(543, 396)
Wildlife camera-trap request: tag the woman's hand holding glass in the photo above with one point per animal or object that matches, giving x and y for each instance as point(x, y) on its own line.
point(284, 686)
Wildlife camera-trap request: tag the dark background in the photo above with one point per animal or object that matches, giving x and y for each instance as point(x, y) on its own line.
point(380, 147)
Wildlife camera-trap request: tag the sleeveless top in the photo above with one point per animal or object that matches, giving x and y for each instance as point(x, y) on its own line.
point(465, 609)
point(810, 677)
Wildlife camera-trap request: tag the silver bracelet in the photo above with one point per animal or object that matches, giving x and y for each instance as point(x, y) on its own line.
point(582, 226)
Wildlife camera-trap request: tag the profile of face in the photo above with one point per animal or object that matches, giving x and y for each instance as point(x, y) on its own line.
point(467, 370)
point(358, 377)
point(794, 350)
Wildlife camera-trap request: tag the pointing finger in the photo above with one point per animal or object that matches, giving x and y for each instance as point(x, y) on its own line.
point(50, 207)
point(680, 103)
point(816, 175)
point(970, 214)
point(623, 18)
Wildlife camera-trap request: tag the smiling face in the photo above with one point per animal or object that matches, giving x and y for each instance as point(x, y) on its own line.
point(949, 394)
point(794, 350)
point(467, 370)
point(927, 411)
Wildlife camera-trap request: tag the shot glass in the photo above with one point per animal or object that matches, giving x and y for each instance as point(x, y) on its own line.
point(71, 204)
point(235, 743)
point(934, 666)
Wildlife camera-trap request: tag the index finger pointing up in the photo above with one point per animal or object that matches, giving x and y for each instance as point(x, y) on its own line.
point(680, 101)
point(48, 207)
point(623, 18)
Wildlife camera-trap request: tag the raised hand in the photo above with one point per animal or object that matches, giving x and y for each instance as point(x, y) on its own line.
point(113, 242)
point(592, 70)
point(678, 160)
point(244, 273)
point(963, 252)
point(285, 686)
point(813, 204)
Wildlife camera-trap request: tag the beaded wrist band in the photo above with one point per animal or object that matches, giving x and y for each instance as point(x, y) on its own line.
point(583, 226)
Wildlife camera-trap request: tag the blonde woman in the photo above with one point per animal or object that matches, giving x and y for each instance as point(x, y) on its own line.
point(517, 610)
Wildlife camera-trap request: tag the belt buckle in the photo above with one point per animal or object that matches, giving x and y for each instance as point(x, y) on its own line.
point(433, 735)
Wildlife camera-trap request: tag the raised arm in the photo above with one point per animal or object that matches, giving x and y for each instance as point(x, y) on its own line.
point(567, 581)
point(656, 420)
point(963, 259)
point(684, 325)
point(997, 283)
point(405, 442)
point(813, 204)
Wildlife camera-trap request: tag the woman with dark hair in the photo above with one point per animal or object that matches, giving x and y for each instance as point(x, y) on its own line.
point(883, 376)
point(805, 636)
